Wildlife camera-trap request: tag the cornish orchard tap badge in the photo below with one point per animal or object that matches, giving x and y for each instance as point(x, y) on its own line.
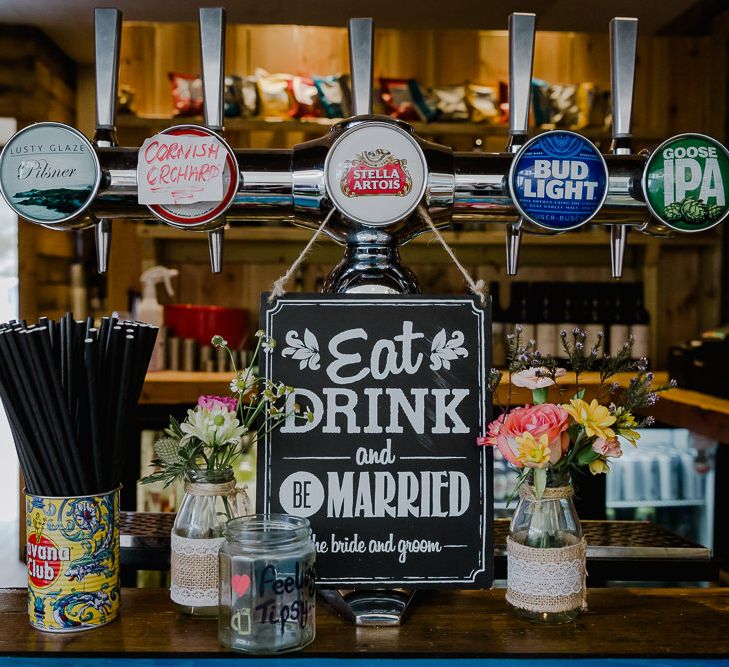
point(558, 180)
point(685, 182)
point(49, 174)
point(187, 176)
point(376, 174)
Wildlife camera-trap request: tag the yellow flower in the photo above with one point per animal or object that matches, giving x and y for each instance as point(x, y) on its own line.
point(533, 453)
point(593, 417)
point(599, 466)
point(624, 426)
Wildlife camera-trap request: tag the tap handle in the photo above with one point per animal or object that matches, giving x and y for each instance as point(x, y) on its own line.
point(107, 33)
point(361, 57)
point(623, 41)
point(212, 47)
point(521, 60)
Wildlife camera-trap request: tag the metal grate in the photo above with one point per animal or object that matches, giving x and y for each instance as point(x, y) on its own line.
point(605, 539)
point(623, 539)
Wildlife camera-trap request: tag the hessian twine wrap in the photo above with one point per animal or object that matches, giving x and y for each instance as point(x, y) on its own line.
point(543, 579)
point(194, 562)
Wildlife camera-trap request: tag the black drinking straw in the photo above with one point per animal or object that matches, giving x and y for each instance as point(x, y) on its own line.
point(91, 361)
point(18, 400)
point(68, 390)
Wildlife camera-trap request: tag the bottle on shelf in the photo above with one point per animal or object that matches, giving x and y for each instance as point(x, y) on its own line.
point(568, 314)
point(498, 327)
point(546, 329)
point(640, 324)
point(319, 280)
point(521, 311)
point(592, 316)
point(299, 280)
point(619, 330)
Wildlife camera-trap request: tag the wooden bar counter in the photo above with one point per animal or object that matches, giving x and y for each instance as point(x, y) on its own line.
point(621, 623)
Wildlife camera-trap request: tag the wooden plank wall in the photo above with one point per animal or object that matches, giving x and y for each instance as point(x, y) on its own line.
point(38, 82)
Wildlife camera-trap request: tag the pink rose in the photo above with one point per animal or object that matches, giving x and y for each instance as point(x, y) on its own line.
point(489, 440)
point(218, 403)
point(547, 418)
point(607, 447)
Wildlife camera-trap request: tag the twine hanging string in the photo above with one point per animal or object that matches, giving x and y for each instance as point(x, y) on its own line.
point(279, 285)
point(478, 287)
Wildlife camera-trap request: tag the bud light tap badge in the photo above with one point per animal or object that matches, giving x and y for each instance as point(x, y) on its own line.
point(685, 182)
point(558, 180)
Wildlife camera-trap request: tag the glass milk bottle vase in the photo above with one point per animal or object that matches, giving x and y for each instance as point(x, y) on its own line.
point(546, 579)
point(211, 500)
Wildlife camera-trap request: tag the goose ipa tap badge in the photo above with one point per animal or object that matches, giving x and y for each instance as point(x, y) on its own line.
point(385, 468)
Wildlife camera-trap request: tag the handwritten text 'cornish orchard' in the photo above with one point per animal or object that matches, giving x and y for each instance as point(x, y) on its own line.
point(180, 169)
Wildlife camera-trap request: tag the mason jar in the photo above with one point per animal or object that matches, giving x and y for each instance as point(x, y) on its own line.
point(546, 574)
point(267, 584)
point(211, 500)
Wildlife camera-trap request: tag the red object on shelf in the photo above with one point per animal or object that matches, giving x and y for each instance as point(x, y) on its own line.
point(204, 322)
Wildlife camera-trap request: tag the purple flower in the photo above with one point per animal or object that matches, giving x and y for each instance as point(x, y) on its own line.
point(218, 403)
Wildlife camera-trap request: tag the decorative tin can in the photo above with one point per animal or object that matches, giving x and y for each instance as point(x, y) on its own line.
point(73, 561)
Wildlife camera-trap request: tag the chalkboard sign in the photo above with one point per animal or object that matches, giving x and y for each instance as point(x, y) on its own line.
point(387, 469)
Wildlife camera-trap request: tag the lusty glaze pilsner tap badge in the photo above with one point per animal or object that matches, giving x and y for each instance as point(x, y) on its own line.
point(49, 173)
point(376, 174)
point(558, 180)
point(685, 182)
point(385, 468)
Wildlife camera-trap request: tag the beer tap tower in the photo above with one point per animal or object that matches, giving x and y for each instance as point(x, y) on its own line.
point(338, 175)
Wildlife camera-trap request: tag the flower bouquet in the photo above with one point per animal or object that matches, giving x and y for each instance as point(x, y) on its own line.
point(202, 450)
point(549, 443)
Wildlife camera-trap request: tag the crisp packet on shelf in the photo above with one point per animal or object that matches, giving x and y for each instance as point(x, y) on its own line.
point(482, 103)
point(304, 98)
point(273, 94)
point(233, 98)
point(249, 97)
point(424, 101)
point(398, 99)
point(187, 94)
point(450, 101)
point(334, 95)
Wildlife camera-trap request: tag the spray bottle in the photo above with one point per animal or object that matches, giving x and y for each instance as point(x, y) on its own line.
point(151, 311)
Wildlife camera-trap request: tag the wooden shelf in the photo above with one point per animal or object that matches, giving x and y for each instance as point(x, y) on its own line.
point(319, 126)
point(285, 233)
point(703, 414)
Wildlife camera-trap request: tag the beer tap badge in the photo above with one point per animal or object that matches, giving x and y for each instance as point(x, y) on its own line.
point(558, 180)
point(685, 182)
point(49, 173)
point(375, 174)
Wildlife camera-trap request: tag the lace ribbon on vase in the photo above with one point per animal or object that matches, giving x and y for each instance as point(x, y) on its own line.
point(194, 571)
point(546, 580)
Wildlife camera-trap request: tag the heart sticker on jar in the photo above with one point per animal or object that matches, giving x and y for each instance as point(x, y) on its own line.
point(240, 583)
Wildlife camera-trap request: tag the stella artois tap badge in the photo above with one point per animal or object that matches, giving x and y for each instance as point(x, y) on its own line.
point(376, 174)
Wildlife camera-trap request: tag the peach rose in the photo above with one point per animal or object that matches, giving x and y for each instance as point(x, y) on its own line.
point(545, 419)
point(607, 447)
